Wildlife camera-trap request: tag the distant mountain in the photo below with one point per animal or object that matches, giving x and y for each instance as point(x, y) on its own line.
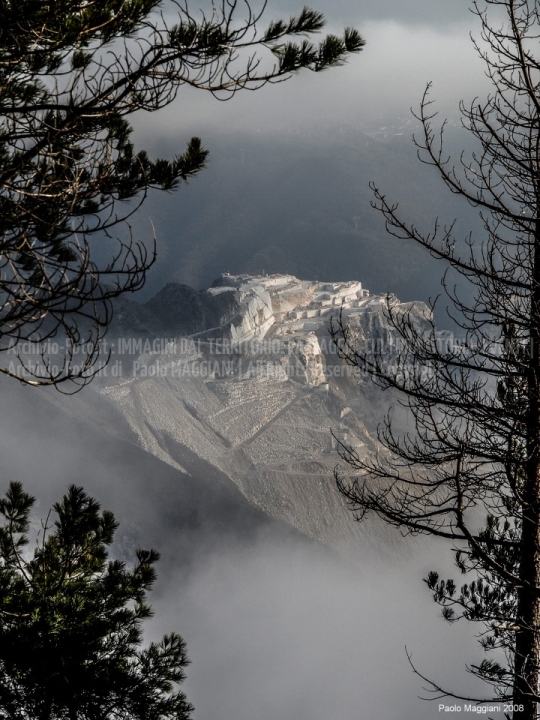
point(251, 386)
point(175, 310)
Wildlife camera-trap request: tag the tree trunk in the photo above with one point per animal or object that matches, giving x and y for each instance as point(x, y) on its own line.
point(527, 656)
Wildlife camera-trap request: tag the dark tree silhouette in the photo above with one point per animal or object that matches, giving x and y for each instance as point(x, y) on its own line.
point(473, 449)
point(72, 73)
point(71, 621)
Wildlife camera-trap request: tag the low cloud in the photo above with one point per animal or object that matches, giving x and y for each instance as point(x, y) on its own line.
point(288, 631)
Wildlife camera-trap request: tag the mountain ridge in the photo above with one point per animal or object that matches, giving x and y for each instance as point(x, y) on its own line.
point(260, 396)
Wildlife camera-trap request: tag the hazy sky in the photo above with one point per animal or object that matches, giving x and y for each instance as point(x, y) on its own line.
point(414, 12)
point(409, 43)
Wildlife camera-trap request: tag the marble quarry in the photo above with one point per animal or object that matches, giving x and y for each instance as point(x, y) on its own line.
point(263, 399)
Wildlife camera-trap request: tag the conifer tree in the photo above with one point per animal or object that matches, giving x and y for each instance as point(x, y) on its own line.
point(72, 73)
point(71, 621)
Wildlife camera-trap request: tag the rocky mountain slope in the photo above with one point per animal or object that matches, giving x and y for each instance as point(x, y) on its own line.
point(251, 385)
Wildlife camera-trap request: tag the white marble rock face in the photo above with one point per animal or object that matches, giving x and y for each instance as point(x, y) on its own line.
point(261, 401)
